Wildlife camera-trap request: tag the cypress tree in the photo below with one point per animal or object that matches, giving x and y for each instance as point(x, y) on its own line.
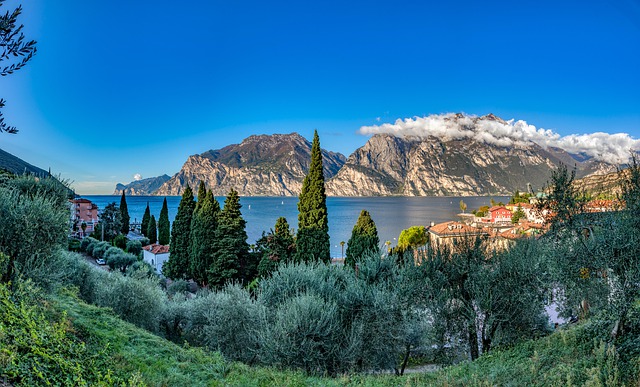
point(276, 247)
point(364, 239)
point(152, 232)
point(313, 225)
point(144, 226)
point(124, 215)
point(202, 192)
point(204, 225)
point(177, 267)
point(164, 228)
point(231, 253)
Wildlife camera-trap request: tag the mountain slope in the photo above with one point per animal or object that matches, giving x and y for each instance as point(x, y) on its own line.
point(441, 166)
point(15, 165)
point(264, 165)
point(141, 187)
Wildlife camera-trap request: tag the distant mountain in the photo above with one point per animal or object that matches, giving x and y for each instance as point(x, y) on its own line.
point(443, 166)
point(264, 165)
point(142, 187)
point(13, 164)
point(607, 185)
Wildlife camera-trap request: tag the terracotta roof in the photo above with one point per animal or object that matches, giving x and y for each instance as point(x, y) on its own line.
point(454, 229)
point(76, 201)
point(496, 208)
point(157, 249)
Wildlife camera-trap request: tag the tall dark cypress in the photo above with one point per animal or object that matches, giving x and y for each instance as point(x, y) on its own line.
point(231, 252)
point(164, 228)
point(177, 267)
point(144, 226)
point(202, 192)
point(313, 225)
point(364, 239)
point(204, 225)
point(276, 247)
point(124, 214)
point(152, 231)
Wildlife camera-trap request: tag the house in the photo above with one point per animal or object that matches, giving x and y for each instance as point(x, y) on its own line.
point(155, 255)
point(500, 214)
point(83, 211)
point(452, 233)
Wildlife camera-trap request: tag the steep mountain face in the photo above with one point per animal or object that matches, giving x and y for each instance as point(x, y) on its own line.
point(15, 165)
point(142, 187)
point(412, 166)
point(607, 185)
point(265, 165)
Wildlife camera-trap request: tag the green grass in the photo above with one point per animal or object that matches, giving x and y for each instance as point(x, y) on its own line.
point(136, 357)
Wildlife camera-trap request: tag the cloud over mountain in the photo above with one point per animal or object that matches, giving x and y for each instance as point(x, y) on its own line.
point(611, 148)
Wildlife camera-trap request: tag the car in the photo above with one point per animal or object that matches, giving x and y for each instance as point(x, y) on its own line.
point(100, 261)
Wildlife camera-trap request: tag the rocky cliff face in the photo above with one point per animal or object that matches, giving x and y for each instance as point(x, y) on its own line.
point(410, 166)
point(265, 165)
point(141, 187)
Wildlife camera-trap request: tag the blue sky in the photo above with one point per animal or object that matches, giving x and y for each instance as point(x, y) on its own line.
point(125, 87)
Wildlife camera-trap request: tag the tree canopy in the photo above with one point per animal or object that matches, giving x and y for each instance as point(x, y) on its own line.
point(178, 264)
point(124, 215)
point(164, 228)
point(313, 224)
point(15, 50)
point(364, 239)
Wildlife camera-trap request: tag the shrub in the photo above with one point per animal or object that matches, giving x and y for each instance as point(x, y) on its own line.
point(100, 249)
point(85, 243)
point(73, 245)
point(120, 241)
point(134, 247)
point(139, 301)
point(232, 323)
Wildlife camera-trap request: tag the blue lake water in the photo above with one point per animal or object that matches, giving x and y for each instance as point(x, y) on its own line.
point(391, 214)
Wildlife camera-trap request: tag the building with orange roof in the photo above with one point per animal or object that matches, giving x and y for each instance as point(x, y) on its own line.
point(155, 255)
point(452, 234)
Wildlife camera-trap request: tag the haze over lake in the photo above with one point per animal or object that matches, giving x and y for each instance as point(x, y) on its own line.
point(391, 214)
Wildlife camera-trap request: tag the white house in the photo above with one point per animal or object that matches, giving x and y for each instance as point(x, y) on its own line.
point(156, 255)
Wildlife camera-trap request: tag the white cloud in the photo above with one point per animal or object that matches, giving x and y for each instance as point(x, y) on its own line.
point(612, 148)
point(137, 177)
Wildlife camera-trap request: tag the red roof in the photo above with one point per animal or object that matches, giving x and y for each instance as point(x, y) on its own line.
point(76, 201)
point(454, 229)
point(156, 249)
point(496, 208)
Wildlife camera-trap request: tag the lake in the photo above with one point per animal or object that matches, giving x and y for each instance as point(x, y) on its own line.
point(391, 214)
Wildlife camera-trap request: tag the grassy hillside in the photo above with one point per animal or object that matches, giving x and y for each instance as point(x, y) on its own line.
point(11, 163)
point(115, 352)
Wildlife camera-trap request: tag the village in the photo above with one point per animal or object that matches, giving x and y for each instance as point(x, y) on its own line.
point(498, 226)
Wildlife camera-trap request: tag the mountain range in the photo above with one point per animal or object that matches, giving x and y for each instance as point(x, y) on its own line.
point(388, 164)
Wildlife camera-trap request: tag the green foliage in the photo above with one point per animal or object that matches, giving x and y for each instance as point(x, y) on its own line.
point(481, 212)
point(364, 239)
point(15, 50)
point(519, 198)
point(41, 350)
point(152, 231)
point(232, 324)
point(134, 247)
point(124, 215)
point(85, 244)
point(204, 226)
point(463, 206)
point(99, 249)
point(231, 259)
point(34, 223)
point(164, 228)
point(179, 250)
point(412, 237)
point(120, 241)
point(563, 202)
point(275, 247)
point(517, 215)
point(74, 244)
point(116, 258)
point(146, 218)
point(313, 225)
point(111, 221)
